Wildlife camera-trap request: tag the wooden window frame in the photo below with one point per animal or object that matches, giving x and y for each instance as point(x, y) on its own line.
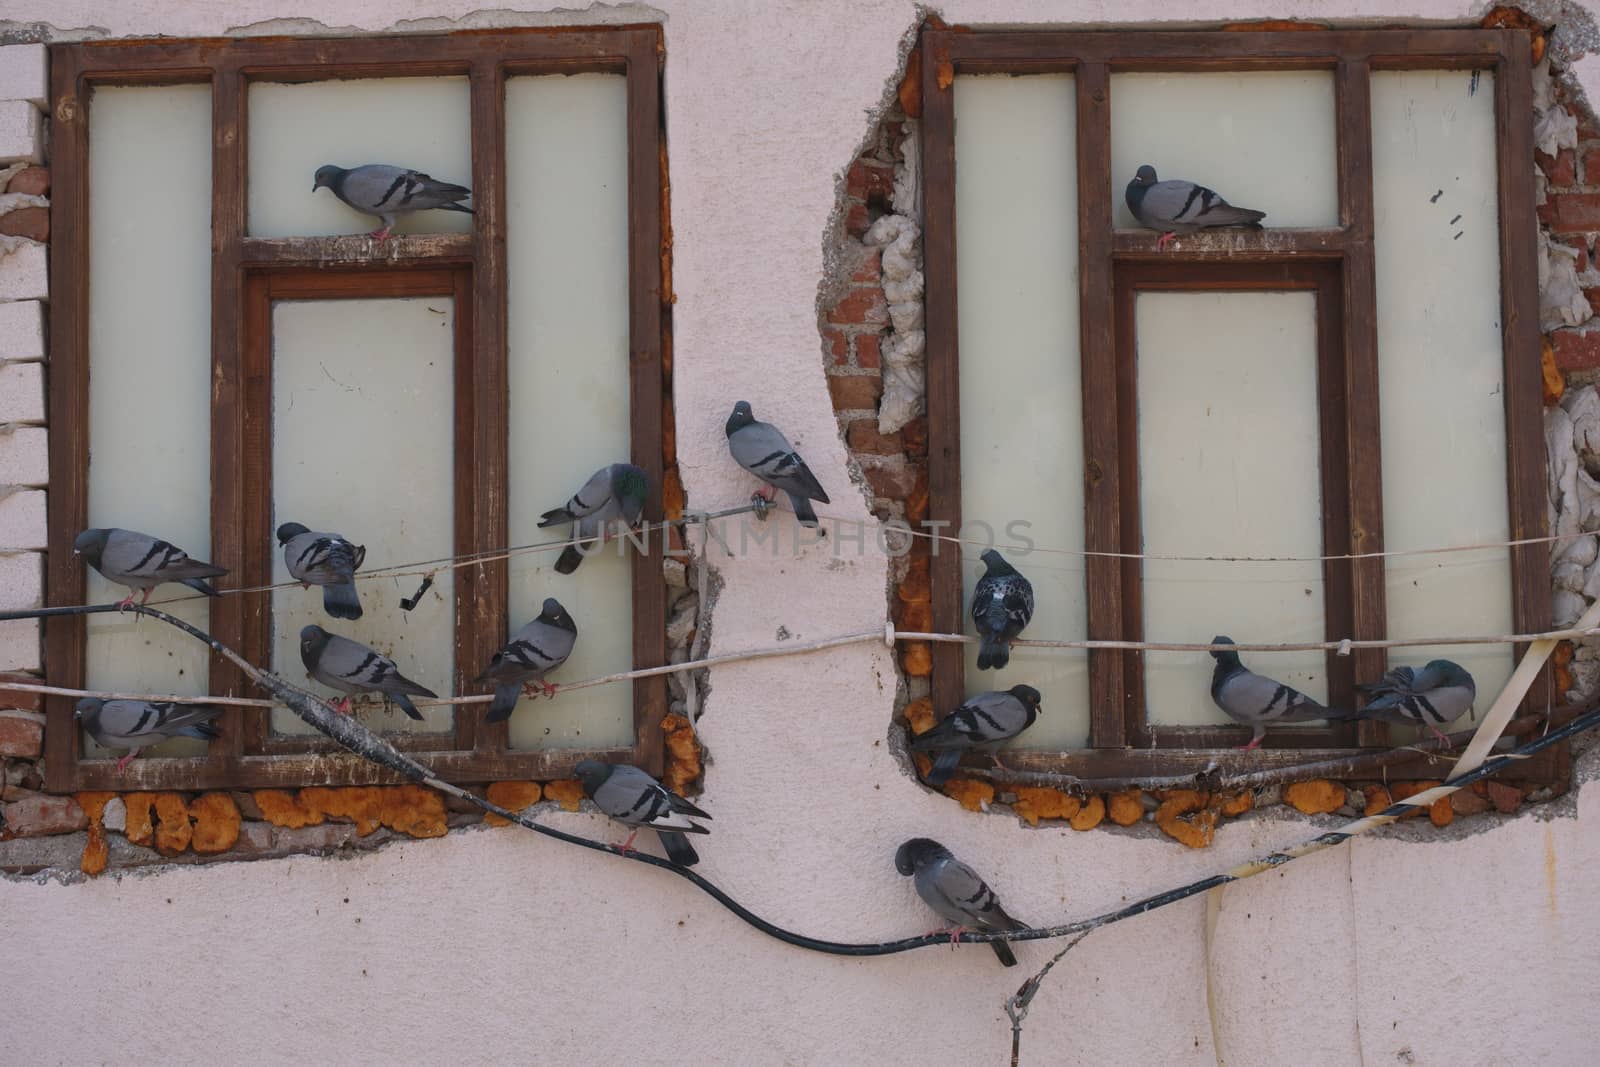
point(1337, 261)
point(246, 274)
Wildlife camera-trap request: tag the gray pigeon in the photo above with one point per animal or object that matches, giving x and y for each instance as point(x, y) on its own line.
point(324, 559)
point(1178, 206)
point(1254, 700)
point(611, 493)
point(761, 449)
point(1002, 604)
point(142, 562)
point(386, 191)
point(138, 724)
point(954, 890)
point(983, 723)
point(536, 650)
point(351, 667)
point(635, 799)
point(1435, 696)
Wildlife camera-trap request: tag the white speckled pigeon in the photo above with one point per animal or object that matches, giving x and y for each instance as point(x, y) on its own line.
point(1002, 604)
point(536, 650)
point(328, 560)
point(142, 562)
point(1437, 695)
point(982, 723)
point(611, 493)
point(138, 724)
point(386, 191)
point(761, 449)
point(351, 667)
point(635, 799)
point(1255, 700)
point(955, 891)
point(1178, 206)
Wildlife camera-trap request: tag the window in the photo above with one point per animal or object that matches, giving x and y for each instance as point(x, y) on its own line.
point(384, 391)
point(1361, 377)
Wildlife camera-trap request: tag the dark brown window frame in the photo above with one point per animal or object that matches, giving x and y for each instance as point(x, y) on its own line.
point(247, 272)
point(1337, 261)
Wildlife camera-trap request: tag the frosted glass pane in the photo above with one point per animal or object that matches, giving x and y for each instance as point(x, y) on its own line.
point(421, 123)
point(150, 390)
point(567, 269)
point(1021, 389)
point(1228, 466)
point(363, 445)
point(1262, 140)
point(1440, 370)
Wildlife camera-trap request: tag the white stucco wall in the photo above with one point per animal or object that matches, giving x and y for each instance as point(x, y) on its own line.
point(497, 945)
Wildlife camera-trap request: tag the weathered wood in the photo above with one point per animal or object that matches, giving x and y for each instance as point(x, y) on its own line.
point(1032, 51)
point(1231, 244)
point(426, 250)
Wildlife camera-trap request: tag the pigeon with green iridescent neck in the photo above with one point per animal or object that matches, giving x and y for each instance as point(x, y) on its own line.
point(1437, 695)
point(1179, 206)
point(613, 496)
point(1002, 604)
point(635, 799)
point(141, 562)
point(1255, 700)
point(981, 724)
point(761, 449)
point(324, 559)
point(351, 667)
point(536, 650)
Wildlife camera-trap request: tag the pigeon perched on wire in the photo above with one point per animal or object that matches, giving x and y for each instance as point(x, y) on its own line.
point(1255, 700)
point(141, 562)
point(138, 724)
point(1437, 695)
point(386, 191)
point(635, 799)
point(324, 559)
point(536, 650)
point(1178, 206)
point(955, 891)
point(1002, 604)
point(981, 724)
point(761, 449)
point(613, 493)
point(351, 667)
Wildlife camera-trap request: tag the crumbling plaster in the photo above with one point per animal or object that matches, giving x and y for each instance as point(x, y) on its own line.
point(491, 945)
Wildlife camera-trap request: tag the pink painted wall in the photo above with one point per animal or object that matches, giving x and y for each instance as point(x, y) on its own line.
point(495, 945)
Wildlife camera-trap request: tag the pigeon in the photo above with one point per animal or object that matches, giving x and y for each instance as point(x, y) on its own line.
point(1002, 604)
point(1437, 695)
point(635, 799)
point(954, 890)
point(351, 667)
point(324, 559)
point(611, 493)
point(1178, 206)
point(982, 723)
point(536, 650)
point(142, 562)
point(138, 724)
point(385, 191)
point(761, 449)
point(1255, 700)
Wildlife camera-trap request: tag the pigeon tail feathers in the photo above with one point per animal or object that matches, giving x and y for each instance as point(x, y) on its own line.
point(341, 601)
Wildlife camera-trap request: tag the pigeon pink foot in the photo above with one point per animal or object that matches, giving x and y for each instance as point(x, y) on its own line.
point(1165, 239)
point(122, 764)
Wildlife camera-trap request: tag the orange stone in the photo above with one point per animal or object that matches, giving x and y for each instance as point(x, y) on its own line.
point(139, 830)
point(1378, 798)
point(1406, 790)
point(1238, 804)
point(1034, 803)
point(1126, 807)
point(1090, 814)
point(973, 795)
point(280, 808)
point(175, 831)
point(414, 810)
point(917, 659)
point(513, 796)
point(1555, 383)
point(216, 822)
point(1316, 797)
point(362, 805)
point(919, 715)
point(96, 851)
point(567, 793)
point(1440, 813)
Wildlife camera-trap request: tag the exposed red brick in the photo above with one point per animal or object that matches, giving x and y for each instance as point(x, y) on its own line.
point(1573, 212)
point(867, 180)
point(893, 481)
point(857, 220)
point(869, 350)
point(862, 306)
point(39, 815)
point(915, 435)
point(863, 436)
point(34, 181)
point(870, 269)
point(1593, 296)
point(30, 222)
point(20, 737)
point(838, 346)
point(1581, 245)
point(1591, 165)
point(1505, 797)
point(1561, 170)
point(855, 392)
point(10, 698)
point(1577, 350)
